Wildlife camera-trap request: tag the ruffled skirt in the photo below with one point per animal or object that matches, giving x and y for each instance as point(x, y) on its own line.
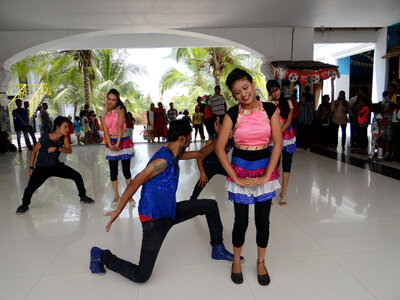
point(289, 141)
point(252, 169)
point(124, 151)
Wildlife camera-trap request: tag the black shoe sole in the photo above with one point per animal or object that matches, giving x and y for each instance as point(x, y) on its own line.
point(21, 212)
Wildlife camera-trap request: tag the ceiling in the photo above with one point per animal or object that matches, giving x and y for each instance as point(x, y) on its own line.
point(185, 14)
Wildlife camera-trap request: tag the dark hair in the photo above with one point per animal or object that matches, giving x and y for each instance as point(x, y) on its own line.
point(119, 102)
point(18, 101)
point(364, 89)
point(384, 94)
point(77, 118)
point(283, 103)
point(59, 120)
point(325, 96)
point(235, 75)
point(178, 128)
point(364, 100)
point(86, 106)
point(217, 87)
point(376, 107)
point(185, 111)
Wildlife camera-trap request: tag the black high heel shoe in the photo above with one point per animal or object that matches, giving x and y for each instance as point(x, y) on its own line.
point(236, 277)
point(263, 279)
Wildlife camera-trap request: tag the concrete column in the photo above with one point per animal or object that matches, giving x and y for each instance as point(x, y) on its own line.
point(5, 78)
point(379, 77)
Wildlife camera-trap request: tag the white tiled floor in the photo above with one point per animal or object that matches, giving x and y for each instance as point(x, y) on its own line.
point(338, 238)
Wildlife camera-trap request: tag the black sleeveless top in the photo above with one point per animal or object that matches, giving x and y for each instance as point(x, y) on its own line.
point(44, 158)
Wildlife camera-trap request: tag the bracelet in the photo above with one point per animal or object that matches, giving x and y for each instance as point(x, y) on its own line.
point(30, 167)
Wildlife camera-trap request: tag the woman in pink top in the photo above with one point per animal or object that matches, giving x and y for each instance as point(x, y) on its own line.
point(285, 108)
point(252, 176)
point(119, 145)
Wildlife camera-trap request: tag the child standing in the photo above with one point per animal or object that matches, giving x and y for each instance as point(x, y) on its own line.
point(78, 129)
point(198, 120)
point(376, 134)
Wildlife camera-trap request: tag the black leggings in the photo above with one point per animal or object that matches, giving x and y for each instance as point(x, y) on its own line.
point(41, 174)
point(154, 233)
point(286, 161)
point(261, 217)
point(126, 168)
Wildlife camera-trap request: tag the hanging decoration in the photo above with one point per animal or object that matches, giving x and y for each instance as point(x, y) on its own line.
point(305, 75)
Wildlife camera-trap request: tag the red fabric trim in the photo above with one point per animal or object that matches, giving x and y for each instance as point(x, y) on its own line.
point(145, 219)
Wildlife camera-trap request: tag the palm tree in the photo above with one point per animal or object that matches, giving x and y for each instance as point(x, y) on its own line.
point(208, 67)
point(84, 59)
point(34, 63)
point(112, 71)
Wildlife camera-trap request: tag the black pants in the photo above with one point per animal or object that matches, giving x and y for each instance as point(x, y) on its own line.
point(32, 134)
point(396, 140)
point(261, 217)
point(209, 123)
point(40, 175)
point(324, 135)
point(199, 128)
point(221, 118)
point(353, 138)
point(336, 134)
point(26, 137)
point(306, 135)
point(126, 168)
point(286, 161)
point(362, 137)
point(210, 169)
point(154, 233)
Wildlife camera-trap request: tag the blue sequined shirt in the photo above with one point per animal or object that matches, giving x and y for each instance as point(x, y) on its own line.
point(158, 196)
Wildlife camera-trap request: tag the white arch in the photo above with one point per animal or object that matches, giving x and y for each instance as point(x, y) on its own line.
point(143, 39)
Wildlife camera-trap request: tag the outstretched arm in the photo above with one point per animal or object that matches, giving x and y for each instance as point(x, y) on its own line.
point(206, 151)
point(153, 169)
point(33, 158)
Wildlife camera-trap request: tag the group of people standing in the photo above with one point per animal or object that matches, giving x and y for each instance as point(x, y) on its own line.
point(207, 110)
point(360, 113)
point(25, 124)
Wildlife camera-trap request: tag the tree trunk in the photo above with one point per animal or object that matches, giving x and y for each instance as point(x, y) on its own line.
point(217, 80)
point(75, 109)
point(86, 84)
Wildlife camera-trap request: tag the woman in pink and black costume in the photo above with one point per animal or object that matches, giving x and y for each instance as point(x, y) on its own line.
point(119, 146)
point(252, 176)
point(285, 108)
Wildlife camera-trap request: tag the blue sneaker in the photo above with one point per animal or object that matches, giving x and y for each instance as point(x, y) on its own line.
point(96, 266)
point(219, 253)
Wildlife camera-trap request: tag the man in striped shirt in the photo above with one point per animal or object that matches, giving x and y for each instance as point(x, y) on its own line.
point(218, 105)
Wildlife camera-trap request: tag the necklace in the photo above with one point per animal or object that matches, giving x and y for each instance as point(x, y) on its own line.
point(254, 106)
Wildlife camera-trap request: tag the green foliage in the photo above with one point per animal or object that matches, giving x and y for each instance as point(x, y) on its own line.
point(205, 68)
point(63, 73)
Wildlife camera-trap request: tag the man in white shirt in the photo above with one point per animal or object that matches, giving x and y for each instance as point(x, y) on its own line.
point(218, 105)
